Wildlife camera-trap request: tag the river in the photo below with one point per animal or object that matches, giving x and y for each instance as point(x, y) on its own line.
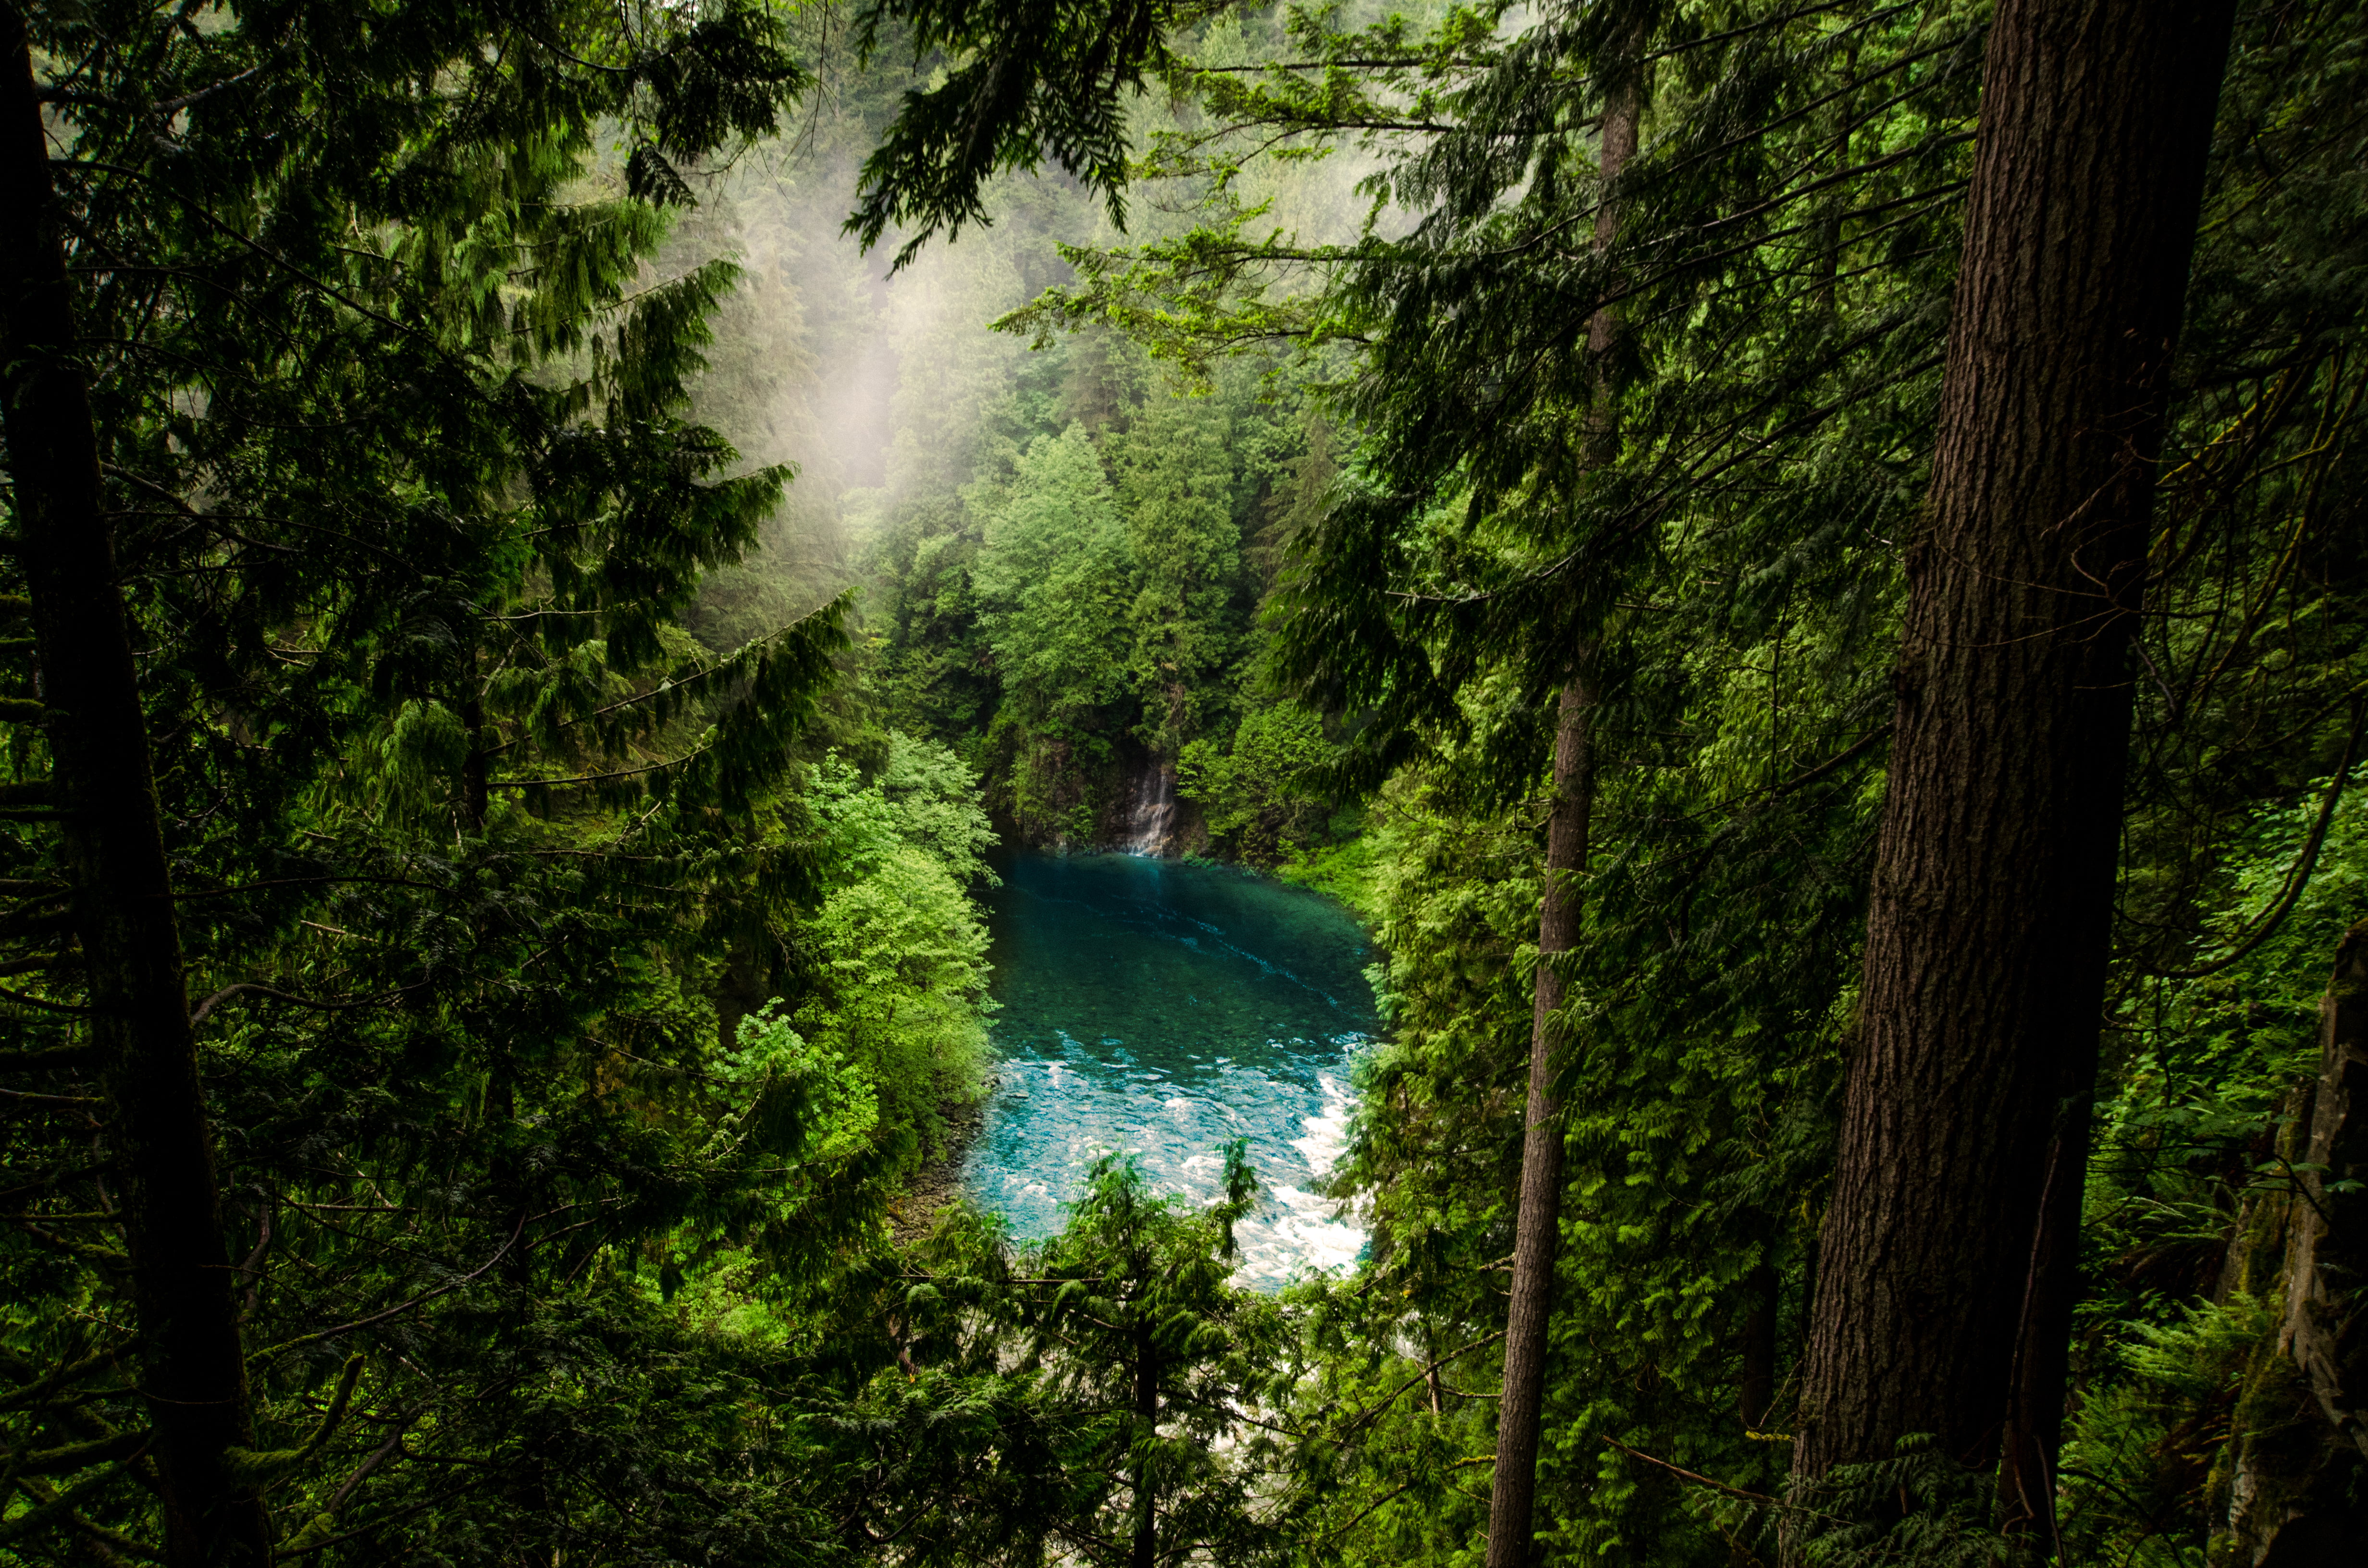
point(1161, 1009)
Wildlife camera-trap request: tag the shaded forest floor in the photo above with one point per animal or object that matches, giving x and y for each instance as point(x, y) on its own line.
point(938, 1181)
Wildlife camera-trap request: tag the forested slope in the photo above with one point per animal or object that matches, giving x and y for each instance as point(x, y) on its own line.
point(1796, 562)
point(1062, 546)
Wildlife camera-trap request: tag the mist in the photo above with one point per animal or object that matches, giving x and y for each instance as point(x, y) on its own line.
point(883, 391)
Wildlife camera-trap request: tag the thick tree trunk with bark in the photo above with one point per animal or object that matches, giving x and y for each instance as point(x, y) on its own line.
point(192, 1369)
point(1964, 1119)
point(1513, 1498)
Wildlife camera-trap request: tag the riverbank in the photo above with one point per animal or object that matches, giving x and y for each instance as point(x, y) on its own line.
point(1343, 872)
point(1340, 874)
point(1162, 1010)
point(938, 1181)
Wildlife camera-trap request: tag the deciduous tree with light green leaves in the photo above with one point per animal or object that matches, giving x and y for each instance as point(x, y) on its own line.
point(1176, 484)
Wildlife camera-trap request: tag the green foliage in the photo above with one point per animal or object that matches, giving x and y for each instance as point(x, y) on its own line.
point(1919, 1507)
point(1052, 577)
point(1176, 479)
point(584, 936)
point(2187, 1145)
point(2150, 1436)
point(1030, 79)
point(897, 948)
point(1161, 1359)
point(1344, 871)
point(803, 1101)
point(933, 796)
point(1256, 794)
point(1084, 1400)
point(936, 671)
point(1074, 606)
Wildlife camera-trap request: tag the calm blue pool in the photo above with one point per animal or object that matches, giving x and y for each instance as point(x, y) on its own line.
point(1162, 1009)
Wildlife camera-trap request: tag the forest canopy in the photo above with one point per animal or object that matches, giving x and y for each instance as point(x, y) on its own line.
point(1787, 561)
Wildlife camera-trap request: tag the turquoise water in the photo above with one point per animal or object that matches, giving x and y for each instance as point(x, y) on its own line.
point(1162, 1009)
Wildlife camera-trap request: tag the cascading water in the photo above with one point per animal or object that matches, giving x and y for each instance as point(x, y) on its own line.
point(1160, 1010)
point(1151, 813)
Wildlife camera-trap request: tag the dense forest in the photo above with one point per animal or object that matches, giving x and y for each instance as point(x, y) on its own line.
point(1786, 558)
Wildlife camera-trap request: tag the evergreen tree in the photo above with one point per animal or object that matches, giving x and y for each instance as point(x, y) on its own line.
point(1054, 571)
point(1947, 1261)
point(1052, 574)
point(385, 449)
point(1161, 1361)
point(1176, 483)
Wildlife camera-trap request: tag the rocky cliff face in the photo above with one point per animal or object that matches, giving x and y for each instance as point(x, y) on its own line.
point(1151, 813)
point(2292, 1486)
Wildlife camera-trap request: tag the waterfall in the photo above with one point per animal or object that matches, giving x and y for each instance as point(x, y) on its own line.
point(1151, 814)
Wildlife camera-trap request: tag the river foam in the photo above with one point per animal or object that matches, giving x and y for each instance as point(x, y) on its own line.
point(1159, 1012)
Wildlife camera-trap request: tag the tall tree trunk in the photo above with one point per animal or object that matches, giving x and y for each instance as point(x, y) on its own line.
point(192, 1370)
point(1510, 1501)
point(1762, 1290)
point(1988, 929)
point(1147, 1417)
point(2043, 1349)
point(1513, 1498)
point(475, 792)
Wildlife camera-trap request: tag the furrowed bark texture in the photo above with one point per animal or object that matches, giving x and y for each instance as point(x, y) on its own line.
point(1512, 1499)
point(192, 1369)
point(1988, 929)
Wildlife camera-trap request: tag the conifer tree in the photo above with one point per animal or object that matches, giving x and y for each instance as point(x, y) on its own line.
point(1176, 481)
point(1945, 1265)
point(352, 504)
point(191, 1365)
point(1137, 1323)
point(1569, 812)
